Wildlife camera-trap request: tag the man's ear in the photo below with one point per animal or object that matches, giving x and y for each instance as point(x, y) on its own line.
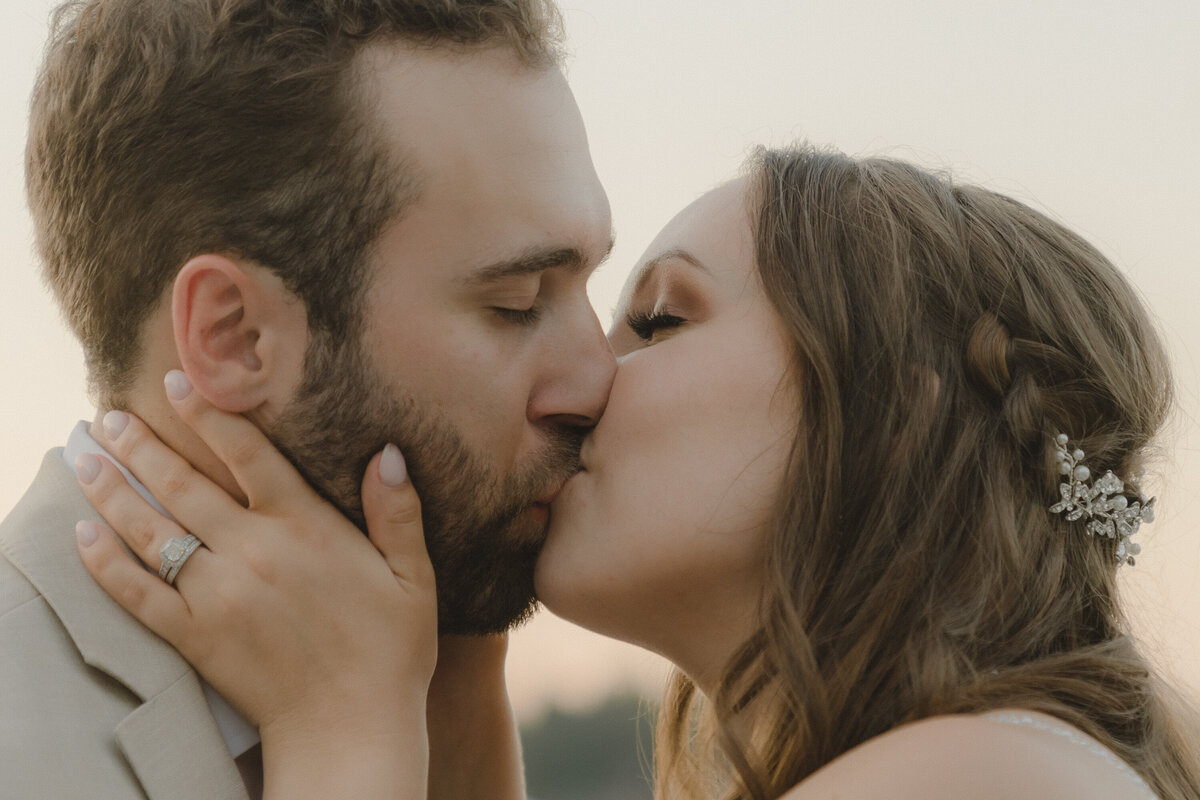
point(240, 333)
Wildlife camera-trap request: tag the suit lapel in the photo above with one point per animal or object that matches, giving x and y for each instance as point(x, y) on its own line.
point(177, 760)
point(171, 740)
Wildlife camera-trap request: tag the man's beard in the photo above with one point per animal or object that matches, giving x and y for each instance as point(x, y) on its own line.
point(482, 543)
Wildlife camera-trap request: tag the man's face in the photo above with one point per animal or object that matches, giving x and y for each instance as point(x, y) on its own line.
point(481, 356)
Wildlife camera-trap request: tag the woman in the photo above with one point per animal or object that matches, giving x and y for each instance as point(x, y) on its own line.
point(849, 394)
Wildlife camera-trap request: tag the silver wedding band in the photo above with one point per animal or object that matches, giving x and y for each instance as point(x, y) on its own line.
point(174, 554)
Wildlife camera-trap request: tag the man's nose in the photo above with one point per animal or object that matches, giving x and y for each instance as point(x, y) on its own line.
point(577, 374)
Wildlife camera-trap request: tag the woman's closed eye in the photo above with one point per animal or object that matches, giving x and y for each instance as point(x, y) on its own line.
point(648, 326)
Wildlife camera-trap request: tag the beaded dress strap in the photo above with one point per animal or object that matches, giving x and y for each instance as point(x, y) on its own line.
point(1076, 737)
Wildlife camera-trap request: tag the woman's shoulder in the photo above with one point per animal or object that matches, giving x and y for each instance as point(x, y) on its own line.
point(996, 755)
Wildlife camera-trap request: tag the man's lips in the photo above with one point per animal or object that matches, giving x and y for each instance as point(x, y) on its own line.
point(548, 498)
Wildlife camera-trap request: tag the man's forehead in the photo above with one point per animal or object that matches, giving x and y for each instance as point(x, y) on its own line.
point(479, 127)
point(430, 101)
point(499, 151)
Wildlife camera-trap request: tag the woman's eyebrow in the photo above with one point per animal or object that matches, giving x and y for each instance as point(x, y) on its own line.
point(671, 255)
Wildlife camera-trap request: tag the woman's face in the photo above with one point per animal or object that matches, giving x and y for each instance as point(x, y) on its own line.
point(660, 539)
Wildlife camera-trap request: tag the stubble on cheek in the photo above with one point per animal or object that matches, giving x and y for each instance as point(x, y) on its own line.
point(482, 544)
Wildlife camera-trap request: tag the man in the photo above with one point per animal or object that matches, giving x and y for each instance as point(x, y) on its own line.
point(353, 221)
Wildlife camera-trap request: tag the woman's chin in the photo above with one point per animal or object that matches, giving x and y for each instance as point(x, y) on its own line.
point(563, 525)
point(545, 583)
point(560, 583)
point(569, 578)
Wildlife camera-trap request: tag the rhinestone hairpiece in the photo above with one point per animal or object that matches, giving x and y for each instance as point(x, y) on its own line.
point(1103, 502)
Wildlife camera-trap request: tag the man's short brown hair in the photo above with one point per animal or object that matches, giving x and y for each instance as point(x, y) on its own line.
point(163, 129)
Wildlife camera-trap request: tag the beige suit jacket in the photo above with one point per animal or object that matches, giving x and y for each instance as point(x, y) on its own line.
point(92, 704)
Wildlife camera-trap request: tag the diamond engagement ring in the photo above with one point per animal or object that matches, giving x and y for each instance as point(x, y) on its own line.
point(174, 553)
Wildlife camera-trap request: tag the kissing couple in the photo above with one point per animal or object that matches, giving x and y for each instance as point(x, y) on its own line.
point(860, 453)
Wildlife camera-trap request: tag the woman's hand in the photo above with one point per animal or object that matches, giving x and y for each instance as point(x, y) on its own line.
point(288, 610)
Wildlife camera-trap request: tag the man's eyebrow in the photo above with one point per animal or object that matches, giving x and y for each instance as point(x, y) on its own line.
point(532, 262)
point(653, 264)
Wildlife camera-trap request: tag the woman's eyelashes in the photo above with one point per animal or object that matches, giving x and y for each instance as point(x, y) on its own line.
point(647, 325)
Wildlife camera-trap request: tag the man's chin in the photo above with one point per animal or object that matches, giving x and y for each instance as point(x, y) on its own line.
point(488, 589)
point(487, 614)
point(493, 625)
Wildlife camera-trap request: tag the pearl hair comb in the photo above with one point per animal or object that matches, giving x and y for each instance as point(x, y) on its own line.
point(1109, 512)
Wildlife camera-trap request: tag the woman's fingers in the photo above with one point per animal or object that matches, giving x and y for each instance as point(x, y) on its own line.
point(261, 470)
point(393, 514)
point(297, 617)
point(141, 527)
point(190, 497)
point(150, 600)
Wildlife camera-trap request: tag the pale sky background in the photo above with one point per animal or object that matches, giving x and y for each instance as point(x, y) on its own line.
point(1087, 108)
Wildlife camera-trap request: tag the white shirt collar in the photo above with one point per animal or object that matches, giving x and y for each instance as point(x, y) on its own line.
point(239, 734)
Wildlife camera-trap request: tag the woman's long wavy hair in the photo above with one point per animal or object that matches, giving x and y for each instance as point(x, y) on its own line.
point(943, 335)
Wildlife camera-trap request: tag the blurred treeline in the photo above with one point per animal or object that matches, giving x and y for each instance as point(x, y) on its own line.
point(601, 754)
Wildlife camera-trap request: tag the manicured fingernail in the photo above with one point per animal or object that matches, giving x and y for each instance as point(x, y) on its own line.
point(114, 423)
point(392, 469)
point(87, 466)
point(87, 532)
point(177, 384)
